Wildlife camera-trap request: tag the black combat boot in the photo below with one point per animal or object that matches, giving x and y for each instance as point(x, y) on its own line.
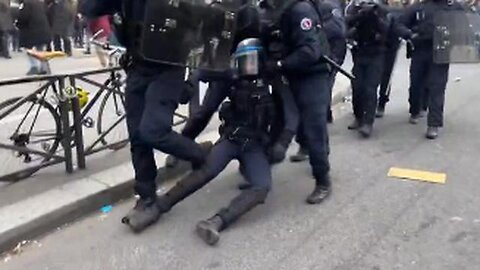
point(380, 110)
point(423, 113)
point(366, 130)
point(300, 156)
point(414, 118)
point(356, 124)
point(322, 190)
point(209, 230)
point(432, 133)
point(145, 213)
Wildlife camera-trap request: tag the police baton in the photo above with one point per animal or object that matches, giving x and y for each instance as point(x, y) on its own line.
point(338, 67)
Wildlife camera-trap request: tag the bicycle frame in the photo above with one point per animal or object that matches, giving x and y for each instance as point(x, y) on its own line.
point(63, 109)
point(68, 104)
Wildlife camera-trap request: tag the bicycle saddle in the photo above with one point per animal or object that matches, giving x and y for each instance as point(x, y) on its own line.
point(45, 56)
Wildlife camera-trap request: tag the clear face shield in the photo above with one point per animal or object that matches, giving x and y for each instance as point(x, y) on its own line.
point(248, 58)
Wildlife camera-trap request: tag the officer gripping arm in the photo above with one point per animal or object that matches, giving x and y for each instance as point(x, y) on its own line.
point(301, 33)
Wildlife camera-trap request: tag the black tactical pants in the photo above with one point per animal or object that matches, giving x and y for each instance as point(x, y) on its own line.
point(425, 74)
point(300, 136)
point(367, 70)
point(313, 98)
point(389, 60)
point(152, 97)
point(256, 170)
point(252, 158)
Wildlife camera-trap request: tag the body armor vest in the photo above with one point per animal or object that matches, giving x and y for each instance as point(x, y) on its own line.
point(250, 112)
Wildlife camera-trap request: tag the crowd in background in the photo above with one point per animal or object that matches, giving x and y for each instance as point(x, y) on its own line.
point(53, 25)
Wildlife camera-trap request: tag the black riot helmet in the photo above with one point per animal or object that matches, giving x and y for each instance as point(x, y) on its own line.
point(275, 7)
point(249, 58)
point(247, 22)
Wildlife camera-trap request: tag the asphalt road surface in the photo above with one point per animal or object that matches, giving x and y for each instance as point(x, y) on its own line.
point(370, 221)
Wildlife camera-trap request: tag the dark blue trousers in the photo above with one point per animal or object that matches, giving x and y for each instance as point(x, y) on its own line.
point(152, 97)
point(367, 70)
point(389, 60)
point(425, 74)
point(312, 95)
point(252, 158)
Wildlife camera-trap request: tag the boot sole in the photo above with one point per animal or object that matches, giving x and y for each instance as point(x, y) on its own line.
point(318, 200)
point(208, 235)
point(141, 226)
point(365, 134)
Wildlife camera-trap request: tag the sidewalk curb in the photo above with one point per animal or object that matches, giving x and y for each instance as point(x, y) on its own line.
point(45, 212)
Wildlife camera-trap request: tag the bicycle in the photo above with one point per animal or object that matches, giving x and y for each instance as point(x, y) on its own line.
point(36, 138)
point(44, 118)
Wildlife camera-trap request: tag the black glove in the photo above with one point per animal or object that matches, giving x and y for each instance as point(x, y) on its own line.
point(188, 92)
point(277, 153)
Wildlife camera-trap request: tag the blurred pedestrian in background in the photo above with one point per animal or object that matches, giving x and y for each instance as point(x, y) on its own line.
point(79, 32)
point(34, 31)
point(61, 16)
point(15, 32)
point(101, 29)
point(6, 26)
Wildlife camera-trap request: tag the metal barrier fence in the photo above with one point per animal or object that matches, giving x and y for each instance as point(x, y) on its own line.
point(62, 107)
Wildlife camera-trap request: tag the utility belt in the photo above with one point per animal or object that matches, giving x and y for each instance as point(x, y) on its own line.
point(245, 136)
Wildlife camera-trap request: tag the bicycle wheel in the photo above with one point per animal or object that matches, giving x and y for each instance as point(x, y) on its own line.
point(111, 121)
point(29, 137)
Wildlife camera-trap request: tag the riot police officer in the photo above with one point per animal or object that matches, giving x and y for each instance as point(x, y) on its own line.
point(367, 27)
point(298, 24)
point(154, 88)
point(333, 23)
point(247, 120)
point(251, 23)
point(424, 72)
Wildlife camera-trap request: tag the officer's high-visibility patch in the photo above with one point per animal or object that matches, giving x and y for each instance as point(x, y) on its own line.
point(306, 24)
point(425, 176)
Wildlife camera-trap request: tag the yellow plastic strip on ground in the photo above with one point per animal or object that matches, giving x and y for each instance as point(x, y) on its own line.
point(432, 177)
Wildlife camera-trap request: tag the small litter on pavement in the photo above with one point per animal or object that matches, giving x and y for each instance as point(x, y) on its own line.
point(106, 209)
point(456, 219)
point(416, 175)
point(457, 79)
point(19, 247)
point(7, 258)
